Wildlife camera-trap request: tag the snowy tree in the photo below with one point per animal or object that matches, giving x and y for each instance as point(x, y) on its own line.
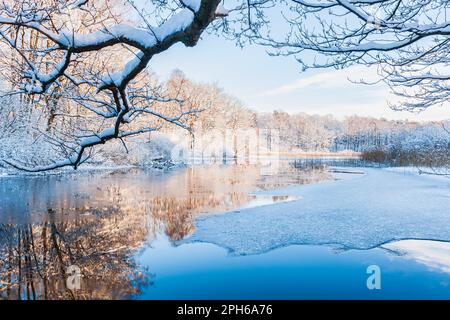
point(407, 40)
point(72, 57)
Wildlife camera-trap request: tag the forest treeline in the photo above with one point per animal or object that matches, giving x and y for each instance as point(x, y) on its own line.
point(35, 131)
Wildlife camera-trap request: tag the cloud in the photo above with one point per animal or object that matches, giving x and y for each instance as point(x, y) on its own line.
point(325, 79)
point(370, 103)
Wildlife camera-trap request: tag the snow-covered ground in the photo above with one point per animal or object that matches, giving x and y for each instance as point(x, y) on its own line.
point(90, 168)
point(432, 173)
point(359, 211)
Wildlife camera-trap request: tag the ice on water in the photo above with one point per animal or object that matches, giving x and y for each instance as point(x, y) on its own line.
point(362, 212)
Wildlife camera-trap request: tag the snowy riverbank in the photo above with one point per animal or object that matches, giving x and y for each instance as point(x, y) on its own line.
point(159, 165)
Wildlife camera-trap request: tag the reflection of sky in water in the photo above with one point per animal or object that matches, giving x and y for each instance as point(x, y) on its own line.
point(433, 254)
point(206, 271)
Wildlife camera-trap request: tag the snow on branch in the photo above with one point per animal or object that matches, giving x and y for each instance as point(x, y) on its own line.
point(408, 40)
point(65, 50)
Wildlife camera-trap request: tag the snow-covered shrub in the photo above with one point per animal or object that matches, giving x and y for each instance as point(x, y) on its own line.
point(425, 145)
point(155, 151)
point(23, 133)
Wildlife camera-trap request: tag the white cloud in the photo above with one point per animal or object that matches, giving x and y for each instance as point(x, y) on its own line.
point(374, 109)
point(374, 104)
point(326, 79)
point(331, 92)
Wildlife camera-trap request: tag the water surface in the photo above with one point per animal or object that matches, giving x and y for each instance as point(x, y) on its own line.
point(130, 232)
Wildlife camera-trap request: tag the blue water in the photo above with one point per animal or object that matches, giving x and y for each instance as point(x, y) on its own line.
point(206, 271)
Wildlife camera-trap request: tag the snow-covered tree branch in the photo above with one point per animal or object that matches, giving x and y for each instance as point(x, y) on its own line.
point(65, 49)
point(407, 40)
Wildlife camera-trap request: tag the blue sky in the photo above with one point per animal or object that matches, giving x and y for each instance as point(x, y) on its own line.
point(267, 83)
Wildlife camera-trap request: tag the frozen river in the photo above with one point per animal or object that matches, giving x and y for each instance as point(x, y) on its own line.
point(290, 229)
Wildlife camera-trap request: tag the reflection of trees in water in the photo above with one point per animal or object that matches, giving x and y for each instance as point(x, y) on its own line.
point(176, 215)
point(216, 190)
point(100, 225)
point(98, 230)
point(296, 172)
point(197, 191)
point(36, 257)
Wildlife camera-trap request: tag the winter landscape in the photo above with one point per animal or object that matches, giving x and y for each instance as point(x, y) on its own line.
point(203, 149)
